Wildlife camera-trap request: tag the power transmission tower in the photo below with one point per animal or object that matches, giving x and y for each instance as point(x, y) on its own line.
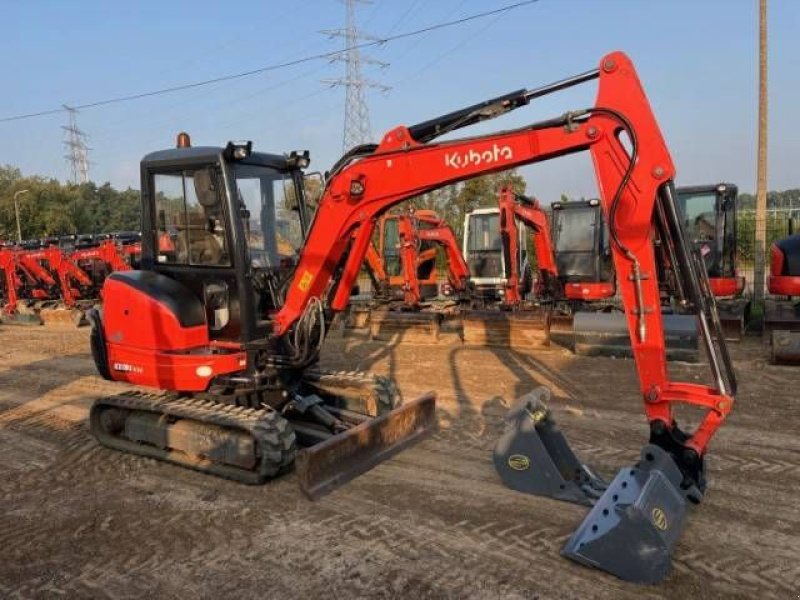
point(77, 151)
point(357, 129)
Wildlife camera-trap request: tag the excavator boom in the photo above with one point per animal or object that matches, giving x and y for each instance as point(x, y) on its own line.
point(634, 173)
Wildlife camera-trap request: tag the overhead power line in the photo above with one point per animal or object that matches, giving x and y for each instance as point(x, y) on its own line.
point(379, 41)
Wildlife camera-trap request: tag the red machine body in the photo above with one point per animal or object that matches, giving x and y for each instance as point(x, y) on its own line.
point(11, 280)
point(783, 279)
point(781, 311)
point(158, 344)
point(589, 290)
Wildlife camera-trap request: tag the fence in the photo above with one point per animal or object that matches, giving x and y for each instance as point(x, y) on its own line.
point(781, 222)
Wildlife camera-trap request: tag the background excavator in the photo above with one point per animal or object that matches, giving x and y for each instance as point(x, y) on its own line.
point(56, 280)
point(587, 316)
point(410, 301)
point(501, 310)
point(227, 332)
point(781, 310)
point(709, 213)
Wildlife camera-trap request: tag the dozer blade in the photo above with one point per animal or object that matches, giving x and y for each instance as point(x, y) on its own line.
point(606, 334)
point(21, 318)
point(634, 526)
point(534, 457)
point(519, 328)
point(326, 465)
point(64, 316)
point(785, 347)
point(411, 327)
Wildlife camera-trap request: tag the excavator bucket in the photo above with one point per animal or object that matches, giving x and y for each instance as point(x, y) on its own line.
point(632, 529)
point(519, 328)
point(534, 457)
point(324, 466)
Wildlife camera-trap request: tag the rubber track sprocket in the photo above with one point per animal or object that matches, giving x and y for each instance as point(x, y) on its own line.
point(378, 393)
point(273, 435)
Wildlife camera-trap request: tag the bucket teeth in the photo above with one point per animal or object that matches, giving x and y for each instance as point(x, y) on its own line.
point(632, 529)
point(534, 457)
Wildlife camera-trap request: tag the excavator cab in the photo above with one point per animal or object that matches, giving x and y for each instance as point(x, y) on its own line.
point(227, 225)
point(583, 256)
point(486, 257)
point(709, 219)
point(390, 244)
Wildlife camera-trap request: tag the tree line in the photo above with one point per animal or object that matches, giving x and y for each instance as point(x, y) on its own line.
point(50, 207)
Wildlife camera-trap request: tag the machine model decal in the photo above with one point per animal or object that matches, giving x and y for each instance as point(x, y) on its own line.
point(127, 368)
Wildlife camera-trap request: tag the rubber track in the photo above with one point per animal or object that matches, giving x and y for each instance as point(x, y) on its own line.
point(273, 435)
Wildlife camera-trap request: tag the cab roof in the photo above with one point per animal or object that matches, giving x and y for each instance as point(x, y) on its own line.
point(201, 154)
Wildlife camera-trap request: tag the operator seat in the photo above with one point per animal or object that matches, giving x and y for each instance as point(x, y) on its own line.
point(195, 244)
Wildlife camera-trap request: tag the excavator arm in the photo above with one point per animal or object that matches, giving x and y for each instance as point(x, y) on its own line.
point(440, 233)
point(528, 211)
point(634, 171)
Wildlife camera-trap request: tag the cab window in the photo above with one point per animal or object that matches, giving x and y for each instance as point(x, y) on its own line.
point(190, 224)
point(273, 226)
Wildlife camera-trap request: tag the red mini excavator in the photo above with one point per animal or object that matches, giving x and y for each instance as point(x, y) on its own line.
point(501, 275)
point(406, 304)
point(407, 260)
point(709, 213)
point(226, 329)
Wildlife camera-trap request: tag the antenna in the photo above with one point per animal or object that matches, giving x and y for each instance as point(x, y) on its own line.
point(77, 151)
point(357, 129)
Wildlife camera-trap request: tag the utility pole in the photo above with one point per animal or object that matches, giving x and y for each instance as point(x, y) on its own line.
point(357, 128)
point(77, 151)
point(761, 183)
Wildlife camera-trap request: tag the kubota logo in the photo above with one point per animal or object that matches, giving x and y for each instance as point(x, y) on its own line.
point(461, 160)
point(519, 462)
point(659, 519)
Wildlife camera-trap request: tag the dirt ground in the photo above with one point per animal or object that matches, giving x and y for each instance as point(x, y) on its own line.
point(82, 521)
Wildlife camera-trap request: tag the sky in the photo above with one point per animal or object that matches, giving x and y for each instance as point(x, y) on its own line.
point(697, 60)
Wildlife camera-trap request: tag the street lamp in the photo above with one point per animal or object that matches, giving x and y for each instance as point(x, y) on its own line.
point(17, 194)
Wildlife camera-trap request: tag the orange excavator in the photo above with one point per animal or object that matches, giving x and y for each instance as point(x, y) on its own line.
point(406, 263)
point(406, 276)
point(226, 332)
